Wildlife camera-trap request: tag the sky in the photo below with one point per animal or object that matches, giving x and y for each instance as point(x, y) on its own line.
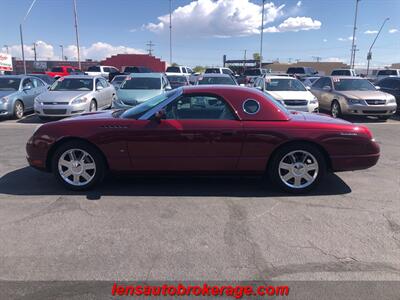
point(204, 30)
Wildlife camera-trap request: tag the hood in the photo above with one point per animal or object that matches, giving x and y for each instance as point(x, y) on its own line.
point(7, 93)
point(134, 96)
point(291, 95)
point(313, 117)
point(104, 114)
point(363, 94)
point(61, 96)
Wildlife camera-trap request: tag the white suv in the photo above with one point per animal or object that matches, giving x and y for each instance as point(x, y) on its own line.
point(219, 71)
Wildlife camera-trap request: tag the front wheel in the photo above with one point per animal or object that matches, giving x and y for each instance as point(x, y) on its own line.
point(93, 106)
point(78, 165)
point(18, 110)
point(297, 168)
point(383, 118)
point(336, 111)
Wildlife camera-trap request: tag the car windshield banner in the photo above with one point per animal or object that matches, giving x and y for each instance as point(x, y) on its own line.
point(5, 62)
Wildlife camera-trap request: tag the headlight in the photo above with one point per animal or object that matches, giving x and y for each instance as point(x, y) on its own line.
point(4, 100)
point(79, 100)
point(355, 101)
point(38, 101)
point(392, 100)
point(314, 101)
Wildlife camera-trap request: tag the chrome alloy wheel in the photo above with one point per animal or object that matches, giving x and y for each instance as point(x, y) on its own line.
point(19, 110)
point(298, 169)
point(335, 110)
point(76, 167)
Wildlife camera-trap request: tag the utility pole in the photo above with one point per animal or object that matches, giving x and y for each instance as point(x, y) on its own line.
point(369, 55)
point(244, 59)
point(170, 31)
point(34, 51)
point(62, 52)
point(77, 35)
point(353, 45)
point(262, 32)
point(21, 35)
point(150, 47)
point(317, 58)
point(6, 46)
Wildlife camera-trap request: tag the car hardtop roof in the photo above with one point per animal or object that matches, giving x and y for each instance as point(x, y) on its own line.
point(215, 75)
point(344, 77)
point(279, 77)
point(16, 76)
point(215, 88)
point(82, 76)
point(146, 75)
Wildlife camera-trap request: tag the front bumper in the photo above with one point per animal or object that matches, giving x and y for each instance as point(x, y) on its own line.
point(4, 109)
point(65, 110)
point(369, 110)
point(304, 108)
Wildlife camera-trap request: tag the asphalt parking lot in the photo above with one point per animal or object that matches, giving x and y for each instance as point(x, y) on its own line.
point(199, 228)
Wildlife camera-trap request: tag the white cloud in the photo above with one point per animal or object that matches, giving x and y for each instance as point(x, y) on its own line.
point(393, 30)
point(299, 3)
point(220, 18)
point(45, 51)
point(371, 31)
point(350, 38)
point(325, 40)
point(296, 24)
point(334, 59)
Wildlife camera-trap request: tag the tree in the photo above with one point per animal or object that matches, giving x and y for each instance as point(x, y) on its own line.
point(174, 65)
point(256, 56)
point(199, 69)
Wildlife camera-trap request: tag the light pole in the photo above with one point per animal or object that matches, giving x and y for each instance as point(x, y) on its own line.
point(21, 35)
point(6, 46)
point(34, 51)
point(77, 35)
point(62, 52)
point(262, 32)
point(353, 46)
point(369, 55)
point(170, 31)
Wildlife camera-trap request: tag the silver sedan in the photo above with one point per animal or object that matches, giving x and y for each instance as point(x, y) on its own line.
point(74, 95)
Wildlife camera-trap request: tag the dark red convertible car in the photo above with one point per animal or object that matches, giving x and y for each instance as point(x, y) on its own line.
point(202, 130)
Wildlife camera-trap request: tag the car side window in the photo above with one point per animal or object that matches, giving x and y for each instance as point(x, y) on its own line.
point(27, 82)
point(98, 83)
point(36, 82)
point(328, 82)
point(199, 107)
point(103, 82)
point(226, 71)
point(388, 83)
point(69, 70)
point(318, 83)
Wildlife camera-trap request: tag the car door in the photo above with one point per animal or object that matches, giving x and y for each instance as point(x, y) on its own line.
point(108, 91)
point(200, 132)
point(99, 93)
point(28, 94)
point(391, 86)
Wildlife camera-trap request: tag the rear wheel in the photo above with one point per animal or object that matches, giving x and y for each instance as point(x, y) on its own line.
point(78, 165)
point(297, 168)
point(18, 112)
point(336, 111)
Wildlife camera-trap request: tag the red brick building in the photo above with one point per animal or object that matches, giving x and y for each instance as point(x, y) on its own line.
point(138, 60)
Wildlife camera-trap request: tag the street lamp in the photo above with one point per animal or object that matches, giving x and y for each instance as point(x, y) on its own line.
point(21, 35)
point(6, 46)
point(353, 45)
point(77, 35)
point(62, 52)
point(262, 32)
point(369, 55)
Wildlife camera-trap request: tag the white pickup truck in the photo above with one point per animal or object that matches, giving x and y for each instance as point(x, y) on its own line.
point(101, 71)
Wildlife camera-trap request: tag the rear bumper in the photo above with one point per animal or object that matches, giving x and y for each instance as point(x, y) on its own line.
point(353, 163)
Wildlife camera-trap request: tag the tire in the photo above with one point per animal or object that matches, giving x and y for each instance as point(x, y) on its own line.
point(73, 175)
point(283, 163)
point(384, 118)
point(336, 111)
point(93, 106)
point(18, 111)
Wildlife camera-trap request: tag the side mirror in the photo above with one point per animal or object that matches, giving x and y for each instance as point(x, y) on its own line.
point(377, 87)
point(308, 88)
point(259, 88)
point(327, 88)
point(168, 88)
point(160, 115)
point(27, 88)
point(99, 88)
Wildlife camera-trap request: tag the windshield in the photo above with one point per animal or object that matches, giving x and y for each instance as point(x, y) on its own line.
point(139, 110)
point(72, 84)
point(118, 79)
point(216, 80)
point(177, 78)
point(56, 69)
point(387, 72)
point(353, 85)
point(141, 83)
point(173, 70)
point(9, 84)
point(212, 71)
point(252, 72)
point(295, 71)
point(341, 72)
point(284, 85)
